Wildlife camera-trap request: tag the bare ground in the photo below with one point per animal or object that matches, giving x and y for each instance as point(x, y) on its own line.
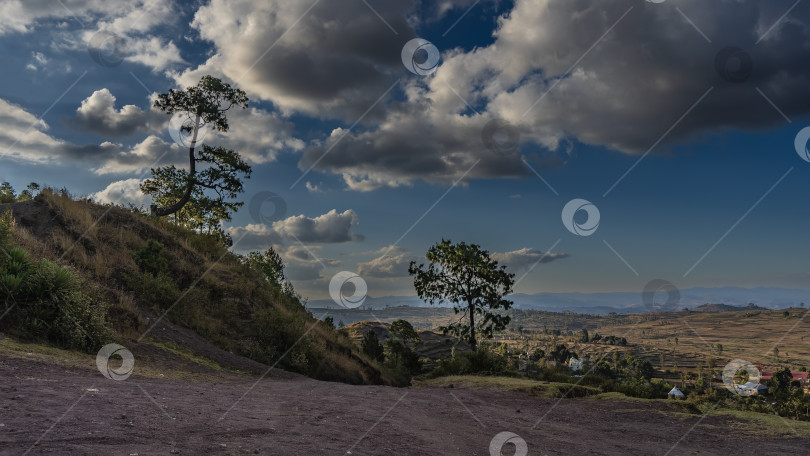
point(51, 409)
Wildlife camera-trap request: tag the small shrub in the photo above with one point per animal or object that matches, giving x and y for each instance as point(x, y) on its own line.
point(150, 258)
point(158, 290)
point(480, 362)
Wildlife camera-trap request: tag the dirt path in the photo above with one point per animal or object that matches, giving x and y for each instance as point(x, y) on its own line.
point(77, 411)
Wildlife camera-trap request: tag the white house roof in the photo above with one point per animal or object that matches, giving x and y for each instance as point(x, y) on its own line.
point(675, 392)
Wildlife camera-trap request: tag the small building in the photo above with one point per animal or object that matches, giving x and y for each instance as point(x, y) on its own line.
point(575, 364)
point(676, 393)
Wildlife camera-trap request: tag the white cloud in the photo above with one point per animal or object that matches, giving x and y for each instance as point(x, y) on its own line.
point(313, 188)
point(526, 258)
point(623, 93)
point(39, 58)
point(24, 138)
point(332, 227)
point(98, 114)
point(152, 152)
point(123, 193)
point(153, 52)
point(258, 135)
point(325, 59)
point(386, 266)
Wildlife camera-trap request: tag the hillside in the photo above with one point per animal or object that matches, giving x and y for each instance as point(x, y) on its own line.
point(726, 308)
point(184, 297)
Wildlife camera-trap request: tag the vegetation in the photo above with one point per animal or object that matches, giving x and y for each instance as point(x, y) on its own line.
point(466, 276)
point(200, 199)
point(42, 301)
point(112, 268)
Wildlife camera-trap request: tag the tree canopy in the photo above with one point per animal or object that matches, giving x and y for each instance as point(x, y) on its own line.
point(467, 277)
point(200, 199)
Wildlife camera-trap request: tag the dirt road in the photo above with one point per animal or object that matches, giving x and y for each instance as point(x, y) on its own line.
point(48, 409)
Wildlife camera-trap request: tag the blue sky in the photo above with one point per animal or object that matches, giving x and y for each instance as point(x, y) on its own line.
point(588, 87)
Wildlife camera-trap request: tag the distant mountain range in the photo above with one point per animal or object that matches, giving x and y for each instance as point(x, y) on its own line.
point(719, 299)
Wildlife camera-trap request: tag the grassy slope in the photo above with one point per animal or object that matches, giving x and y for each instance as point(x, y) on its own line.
point(208, 291)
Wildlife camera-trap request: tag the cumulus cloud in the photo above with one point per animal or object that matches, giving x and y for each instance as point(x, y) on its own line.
point(153, 52)
point(332, 227)
point(152, 152)
point(329, 228)
point(97, 114)
point(25, 138)
point(258, 135)
point(325, 59)
point(387, 266)
point(525, 258)
point(556, 79)
point(21, 16)
point(131, 21)
point(123, 193)
point(302, 263)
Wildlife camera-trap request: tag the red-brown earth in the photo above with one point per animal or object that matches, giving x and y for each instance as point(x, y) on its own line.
point(52, 409)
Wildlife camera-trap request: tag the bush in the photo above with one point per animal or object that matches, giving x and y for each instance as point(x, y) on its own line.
point(638, 387)
point(150, 258)
point(159, 290)
point(480, 362)
point(43, 301)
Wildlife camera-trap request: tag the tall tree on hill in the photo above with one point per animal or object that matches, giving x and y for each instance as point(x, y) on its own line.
point(466, 276)
point(200, 198)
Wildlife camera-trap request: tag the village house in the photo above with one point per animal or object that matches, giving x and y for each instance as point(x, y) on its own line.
point(801, 377)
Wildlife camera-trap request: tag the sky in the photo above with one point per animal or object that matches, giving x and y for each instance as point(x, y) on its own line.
point(588, 145)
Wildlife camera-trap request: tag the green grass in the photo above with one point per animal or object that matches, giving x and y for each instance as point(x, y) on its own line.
point(765, 425)
point(189, 356)
point(40, 352)
point(532, 387)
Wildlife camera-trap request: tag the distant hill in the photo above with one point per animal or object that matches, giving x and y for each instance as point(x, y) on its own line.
point(726, 308)
point(619, 302)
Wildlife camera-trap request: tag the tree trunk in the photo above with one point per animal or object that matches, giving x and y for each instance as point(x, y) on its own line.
point(472, 324)
point(192, 171)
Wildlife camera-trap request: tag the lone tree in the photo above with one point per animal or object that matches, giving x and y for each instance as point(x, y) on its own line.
point(172, 188)
point(466, 276)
